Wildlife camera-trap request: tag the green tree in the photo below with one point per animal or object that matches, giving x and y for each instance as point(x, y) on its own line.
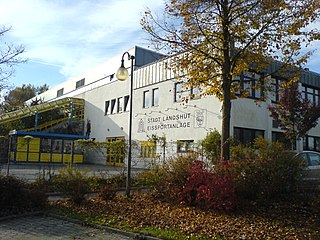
point(295, 114)
point(220, 39)
point(212, 146)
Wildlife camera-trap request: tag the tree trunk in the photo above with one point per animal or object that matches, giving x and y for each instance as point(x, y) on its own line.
point(226, 115)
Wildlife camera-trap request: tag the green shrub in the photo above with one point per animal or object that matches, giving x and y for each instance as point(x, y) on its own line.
point(168, 180)
point(268, 171)
point(16, 194)
point(73, 183)
point(211, 145)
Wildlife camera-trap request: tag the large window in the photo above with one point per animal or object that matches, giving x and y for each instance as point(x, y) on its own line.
point(247, 135)
point(120, 105)
point(115, 150)
point(126, 103)
point(113, 106)
point(311, 143)
point(80, 83)
point(146, 99)
point(249, 85)
point(155, 97)
point(275, 89)
point(107, 108)
point(148, 149)
point(311, 93)
point(182, 92)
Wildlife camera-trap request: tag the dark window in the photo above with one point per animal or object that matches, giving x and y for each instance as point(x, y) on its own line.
point(275, 89)
point(155, 97)
point(310, 93)
point(113, 104)
point(45, 145)
point(249, 85)
point(107, 108)
point(280, 137)
point(182, 92)
point(247, 135)
point(80, 83)
point(146, 99)
point(60, 92)
point(126, 103)
point(311, 143)
point(120, 104)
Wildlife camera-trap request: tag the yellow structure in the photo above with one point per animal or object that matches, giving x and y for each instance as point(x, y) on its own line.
point(44, 147)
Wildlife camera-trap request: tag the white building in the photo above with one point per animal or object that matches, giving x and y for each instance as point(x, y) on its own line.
point(158, 108)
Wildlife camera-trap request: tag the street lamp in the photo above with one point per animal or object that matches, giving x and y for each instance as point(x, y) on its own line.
point(122, 75)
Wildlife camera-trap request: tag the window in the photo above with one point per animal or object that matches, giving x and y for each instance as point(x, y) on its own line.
point(45, 145)
point(80, 83)
point(148, 149)
point(246, 135)
point(155, 97)
point(146, 99)
point(60, 92)
point(310, 93)
point(107, 108)
point(126, 103)
point(275, 89)
point(280, 137)
point(182, 92)
point(184, 146)
point(113, 104)
point(115, 151)
point(311, 143)
point(120, 105)
point(249, 85)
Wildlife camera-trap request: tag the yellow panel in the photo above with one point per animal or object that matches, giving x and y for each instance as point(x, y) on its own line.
point(21, 156)
point(67, 158)
point(45, 157)
point(22, 144)
point(12, 156)
point(78, 158)
point(56, 157)
point(34, 145)
point(33, 157)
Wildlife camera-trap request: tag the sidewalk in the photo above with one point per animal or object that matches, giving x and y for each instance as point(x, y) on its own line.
point(42, 227)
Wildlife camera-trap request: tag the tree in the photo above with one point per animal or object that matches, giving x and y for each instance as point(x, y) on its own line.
point(9, 57)
point(294, 114)
point(220, 39)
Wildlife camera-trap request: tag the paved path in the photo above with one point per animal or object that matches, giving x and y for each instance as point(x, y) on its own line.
point(38, 227)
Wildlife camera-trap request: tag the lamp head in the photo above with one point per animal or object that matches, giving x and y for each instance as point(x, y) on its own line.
point(122, 73)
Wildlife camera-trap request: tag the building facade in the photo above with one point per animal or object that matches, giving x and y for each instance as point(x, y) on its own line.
point(159, 108)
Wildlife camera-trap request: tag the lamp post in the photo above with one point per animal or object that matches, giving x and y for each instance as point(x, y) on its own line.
point(122, 75)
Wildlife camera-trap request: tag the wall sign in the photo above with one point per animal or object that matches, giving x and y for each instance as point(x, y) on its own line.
point(173, 121)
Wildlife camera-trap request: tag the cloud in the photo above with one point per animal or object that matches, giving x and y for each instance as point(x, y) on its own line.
point(75, 35)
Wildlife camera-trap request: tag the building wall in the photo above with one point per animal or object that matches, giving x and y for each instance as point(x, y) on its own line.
point(190, 120)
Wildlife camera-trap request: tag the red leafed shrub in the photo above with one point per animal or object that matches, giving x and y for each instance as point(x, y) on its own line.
point(209, 190)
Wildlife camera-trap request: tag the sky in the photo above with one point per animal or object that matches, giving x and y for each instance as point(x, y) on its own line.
point(64, 38)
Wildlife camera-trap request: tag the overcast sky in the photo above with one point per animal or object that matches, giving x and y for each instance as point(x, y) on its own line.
point(64, 38)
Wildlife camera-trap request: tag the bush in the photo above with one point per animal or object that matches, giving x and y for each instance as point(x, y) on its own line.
point(209, 190)
point(73, 183)
point(211, 145)
point(15, 194)
point(270, 171)
point(168, 180)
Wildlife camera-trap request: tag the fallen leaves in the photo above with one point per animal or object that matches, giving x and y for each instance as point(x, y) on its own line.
point(279, 221)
